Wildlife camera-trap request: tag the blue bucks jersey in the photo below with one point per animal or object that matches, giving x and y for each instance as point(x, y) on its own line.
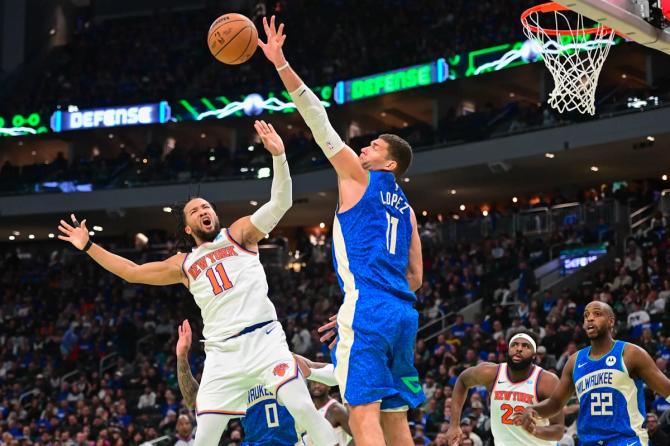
point(371, 240)
point(611, 403)
point(267, 423)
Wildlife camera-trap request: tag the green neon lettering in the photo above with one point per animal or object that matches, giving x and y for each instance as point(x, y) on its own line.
point(424, 75)
point(18, 121)
point(2, 122)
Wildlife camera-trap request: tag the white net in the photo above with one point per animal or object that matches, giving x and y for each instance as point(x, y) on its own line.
point(573, 53)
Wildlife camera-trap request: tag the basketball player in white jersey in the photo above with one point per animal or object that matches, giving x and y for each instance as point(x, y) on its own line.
point(244, 343)
point(512, 386)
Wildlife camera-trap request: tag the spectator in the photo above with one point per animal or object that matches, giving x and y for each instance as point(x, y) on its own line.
point(184, 435)
point(656, 436)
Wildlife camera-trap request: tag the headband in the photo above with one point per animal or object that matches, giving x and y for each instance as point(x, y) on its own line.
point(525, 337)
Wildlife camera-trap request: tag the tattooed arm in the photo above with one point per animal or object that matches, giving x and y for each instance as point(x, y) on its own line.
point(187, 383)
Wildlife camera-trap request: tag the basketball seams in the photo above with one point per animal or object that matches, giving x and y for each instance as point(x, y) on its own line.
point(245, 48)
point(231, 39)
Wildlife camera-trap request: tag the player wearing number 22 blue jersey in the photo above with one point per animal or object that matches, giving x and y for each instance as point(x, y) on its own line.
point(608, 378)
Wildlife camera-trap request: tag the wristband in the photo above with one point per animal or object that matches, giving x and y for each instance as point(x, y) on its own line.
point(283, 67)
point(87, 246)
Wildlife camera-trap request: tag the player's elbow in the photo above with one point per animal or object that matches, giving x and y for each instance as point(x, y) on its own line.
point(415, 279)
point(131, 275)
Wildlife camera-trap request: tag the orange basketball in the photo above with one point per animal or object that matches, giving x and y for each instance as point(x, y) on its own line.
point(232, 39)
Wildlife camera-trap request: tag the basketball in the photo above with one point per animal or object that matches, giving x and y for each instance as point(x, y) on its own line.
point(232, 39)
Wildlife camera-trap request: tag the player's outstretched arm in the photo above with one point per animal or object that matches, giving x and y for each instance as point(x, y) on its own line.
point(643, 366)
point(480, 375)
point(166, 272)
point(187, 383)
point(341, 156)
point(251, 229)
point(551, 406)
point(316, 371)
point(415, 265)
point(554, 432)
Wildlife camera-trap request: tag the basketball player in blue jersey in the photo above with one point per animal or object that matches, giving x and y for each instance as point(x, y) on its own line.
point(608, 379)
point(266, 422)
point(377, 256)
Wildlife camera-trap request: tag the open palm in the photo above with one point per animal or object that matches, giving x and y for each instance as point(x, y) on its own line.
point(185, 339)
point(276, 37)
point(75, 233)
point(271, 139)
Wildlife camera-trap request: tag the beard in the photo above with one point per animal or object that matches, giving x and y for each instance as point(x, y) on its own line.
point(208, 236)
point(516, 366)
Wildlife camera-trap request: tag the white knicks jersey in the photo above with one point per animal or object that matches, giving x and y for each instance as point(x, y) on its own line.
point(343, 439)
point(229, 285)
point(508, 398)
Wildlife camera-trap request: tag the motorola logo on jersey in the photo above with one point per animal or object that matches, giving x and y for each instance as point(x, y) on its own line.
point(610, 361)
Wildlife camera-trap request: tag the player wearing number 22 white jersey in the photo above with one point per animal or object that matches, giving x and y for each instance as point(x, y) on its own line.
point(245, 345)
point(512, 386)
point(608, 379)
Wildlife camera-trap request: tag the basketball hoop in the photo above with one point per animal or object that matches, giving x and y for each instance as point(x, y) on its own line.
point(573, 52)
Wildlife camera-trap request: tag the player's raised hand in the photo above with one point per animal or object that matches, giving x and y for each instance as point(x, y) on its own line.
point(75, 233)
point(273, 47)
point(526, 419)
point(454, 434)
point(185, 339)
point(271, 139)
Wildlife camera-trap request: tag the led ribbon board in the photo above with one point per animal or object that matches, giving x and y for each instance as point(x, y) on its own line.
point(392, 81)
point(22, 125)
point(62, 121)
point(509, 55)
point(252, 104)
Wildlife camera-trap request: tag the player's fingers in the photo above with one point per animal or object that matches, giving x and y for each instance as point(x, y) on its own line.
point(266, 129)
point(332, 344)
point(333, 317)
point(272, 25)
point(280, 30)
point(328, 326)
point(266, 27)
point(261, 43)
point(75, 222)
point(272, 129)
point(83, 225)
point(327, 336)
point(66, 225)
point(62, 237)
point(282, 39)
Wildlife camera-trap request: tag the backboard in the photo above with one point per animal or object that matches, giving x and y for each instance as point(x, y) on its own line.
point(639, 20)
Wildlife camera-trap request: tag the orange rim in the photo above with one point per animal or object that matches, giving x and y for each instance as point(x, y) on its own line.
point(555, 7)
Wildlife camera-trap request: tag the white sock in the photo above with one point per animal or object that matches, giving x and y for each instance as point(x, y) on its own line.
point(210, 428)
point(295, 396)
